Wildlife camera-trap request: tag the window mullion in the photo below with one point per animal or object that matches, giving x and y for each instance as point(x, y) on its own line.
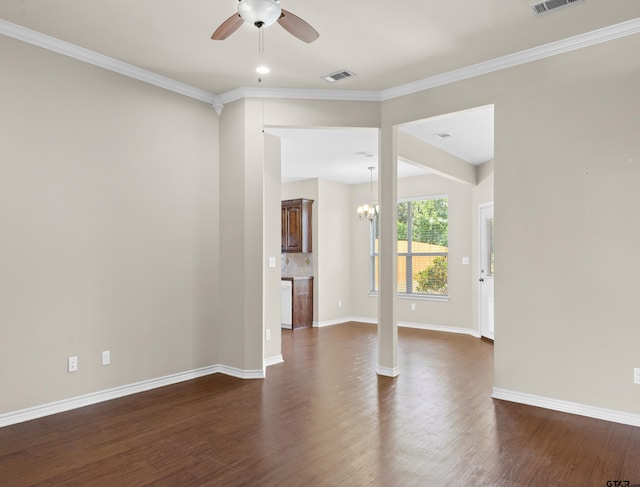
point(409, 260)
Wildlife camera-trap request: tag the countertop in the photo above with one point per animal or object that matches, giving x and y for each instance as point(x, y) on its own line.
point(295, 278)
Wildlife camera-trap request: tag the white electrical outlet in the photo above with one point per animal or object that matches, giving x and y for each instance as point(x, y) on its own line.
point(636, 376)
point(413, 306)
point(106, 357)
point(72, 364)
point(339, 303)
point(268, 334)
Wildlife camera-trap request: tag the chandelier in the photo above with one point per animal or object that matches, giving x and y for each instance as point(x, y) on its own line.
point(369, 210)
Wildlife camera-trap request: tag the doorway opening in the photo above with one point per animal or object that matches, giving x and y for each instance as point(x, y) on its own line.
point(487, 270)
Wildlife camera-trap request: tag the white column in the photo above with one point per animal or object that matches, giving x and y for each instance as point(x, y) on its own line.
point(387, 197)
point(241, 316)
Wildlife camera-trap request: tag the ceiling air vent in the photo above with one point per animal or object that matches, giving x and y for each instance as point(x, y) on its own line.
point(544, 7)
point(337, 76)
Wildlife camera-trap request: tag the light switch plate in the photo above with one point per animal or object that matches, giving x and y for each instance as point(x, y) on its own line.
point(72, 364)
point(272, 261)
point(636, 376)
point(465, 261)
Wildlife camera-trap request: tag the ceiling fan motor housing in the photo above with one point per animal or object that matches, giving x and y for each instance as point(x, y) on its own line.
point(261, 13)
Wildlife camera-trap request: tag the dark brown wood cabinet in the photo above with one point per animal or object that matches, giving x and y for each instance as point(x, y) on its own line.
point(301, 301)
point(296, 225)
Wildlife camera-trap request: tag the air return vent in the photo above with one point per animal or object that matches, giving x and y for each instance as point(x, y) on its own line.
point(544, 7)
point(337, 76)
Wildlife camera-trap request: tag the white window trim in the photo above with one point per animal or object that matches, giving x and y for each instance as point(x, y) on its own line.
point(415, 296)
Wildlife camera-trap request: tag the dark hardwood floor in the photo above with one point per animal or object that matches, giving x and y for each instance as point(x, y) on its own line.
point(324, 418)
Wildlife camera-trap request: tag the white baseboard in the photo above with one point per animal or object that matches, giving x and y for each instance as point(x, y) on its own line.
point(42, 410)
point(273, 360)
point(240, 373)
point(447, 329)
point(360, 319)
point(342, 321)
point(387, 371)
point(337, 321)
point(567, 407)
point(423, 326)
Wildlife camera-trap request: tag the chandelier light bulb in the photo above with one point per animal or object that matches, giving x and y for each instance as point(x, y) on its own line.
point(262, 69)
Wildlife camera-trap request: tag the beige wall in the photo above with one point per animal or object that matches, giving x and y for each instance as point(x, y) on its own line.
point(241, 326)
point(301, 189)
point(564, 319)
point(110, 223)
point(272, 242)
point(320, 114)
point(331, 226)
point(566, 172)
point(334, 283)
point(109, 229)
point(457, 312)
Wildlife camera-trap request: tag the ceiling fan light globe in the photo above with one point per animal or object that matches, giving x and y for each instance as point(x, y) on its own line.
point(261, 13)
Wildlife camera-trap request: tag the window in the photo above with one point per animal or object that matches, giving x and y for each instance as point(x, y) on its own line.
point(423, 247)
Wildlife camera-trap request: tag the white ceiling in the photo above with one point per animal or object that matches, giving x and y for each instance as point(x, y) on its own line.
point(341, 155)
point(386, 44)
point(470, 133)
point(344, 155)
point(332, 154)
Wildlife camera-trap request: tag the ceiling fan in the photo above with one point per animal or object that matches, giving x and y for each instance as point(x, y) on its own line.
point(263, 13)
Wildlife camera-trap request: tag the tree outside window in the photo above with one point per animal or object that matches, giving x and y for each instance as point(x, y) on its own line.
point(422, 247)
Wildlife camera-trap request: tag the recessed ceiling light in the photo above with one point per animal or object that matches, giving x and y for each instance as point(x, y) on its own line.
point(443, 135)
point(262, 69)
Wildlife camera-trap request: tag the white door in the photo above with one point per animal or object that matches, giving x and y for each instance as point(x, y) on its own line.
point(486, 270)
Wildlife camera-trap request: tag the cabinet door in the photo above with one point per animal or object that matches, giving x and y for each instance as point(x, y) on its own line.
point(294, 229)
point(302, 303)
point(296, 226)
point(284, 229)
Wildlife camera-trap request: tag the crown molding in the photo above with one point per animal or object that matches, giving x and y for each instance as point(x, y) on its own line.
point(598, 36)
point(91, 57)
point(300, 94)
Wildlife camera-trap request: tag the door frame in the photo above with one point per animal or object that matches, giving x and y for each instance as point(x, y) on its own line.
point(481, 243)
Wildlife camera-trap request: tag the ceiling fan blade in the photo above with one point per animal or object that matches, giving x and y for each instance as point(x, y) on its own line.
point(227, 27)
point(297, 27)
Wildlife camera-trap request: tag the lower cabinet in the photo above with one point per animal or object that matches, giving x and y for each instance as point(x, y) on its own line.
point(301, 302)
